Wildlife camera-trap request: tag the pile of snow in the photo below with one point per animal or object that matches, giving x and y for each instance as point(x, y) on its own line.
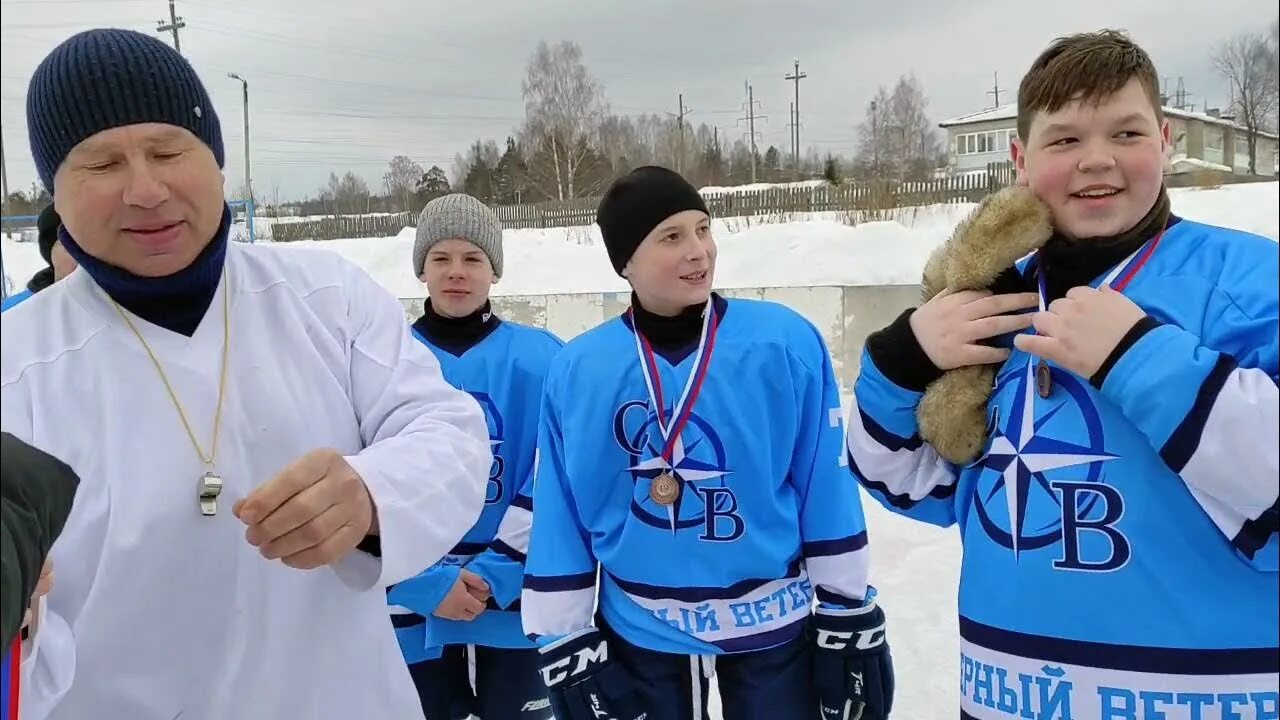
point(812, 249)
point(1181, 163)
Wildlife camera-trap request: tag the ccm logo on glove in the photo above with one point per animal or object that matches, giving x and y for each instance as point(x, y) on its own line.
point(557, 672)
point(837, 640)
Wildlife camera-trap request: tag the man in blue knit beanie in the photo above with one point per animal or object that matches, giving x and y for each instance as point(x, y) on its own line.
point(263, 447)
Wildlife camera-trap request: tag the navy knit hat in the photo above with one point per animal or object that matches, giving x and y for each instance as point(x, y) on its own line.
point(107, 78)
point(634, 205)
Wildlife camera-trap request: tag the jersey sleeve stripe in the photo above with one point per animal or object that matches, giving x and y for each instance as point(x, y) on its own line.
point(560, 583)
point(830, 598)
point(1256, 533)
point(468, 549)
point(887, 439)
point(904, 471)
point(524, 502)
point(819, 548)
point(844, 576)
point(901, 501)
point(553, 614)
point(507, 551)
point(1185, 439)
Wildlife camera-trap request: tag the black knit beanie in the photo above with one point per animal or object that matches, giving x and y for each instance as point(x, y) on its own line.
point(636, 203)
point(108, 78)
point(47, 228)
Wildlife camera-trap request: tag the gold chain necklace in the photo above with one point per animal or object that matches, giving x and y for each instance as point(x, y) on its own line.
point(210, 485)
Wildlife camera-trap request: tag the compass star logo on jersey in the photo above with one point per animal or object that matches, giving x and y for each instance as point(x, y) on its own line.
point(496, 488)
point(1042, 481)
point(704, 501)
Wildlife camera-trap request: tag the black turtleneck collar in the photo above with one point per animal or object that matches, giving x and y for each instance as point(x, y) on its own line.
point(673, 336)
point(175, 302)
point(456, 335)
point(1069, 263)
point(41, 280)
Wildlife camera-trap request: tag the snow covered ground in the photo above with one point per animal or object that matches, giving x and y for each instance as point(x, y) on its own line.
point(914, 566)
point(798, 250)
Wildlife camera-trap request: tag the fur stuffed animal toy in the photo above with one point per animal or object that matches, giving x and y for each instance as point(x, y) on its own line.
point(1005, 227)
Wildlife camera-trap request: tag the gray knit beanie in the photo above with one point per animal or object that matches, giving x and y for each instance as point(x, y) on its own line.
point(458, 217)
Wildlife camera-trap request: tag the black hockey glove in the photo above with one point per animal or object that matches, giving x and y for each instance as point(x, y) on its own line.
point(852, 668)
point(585, 683)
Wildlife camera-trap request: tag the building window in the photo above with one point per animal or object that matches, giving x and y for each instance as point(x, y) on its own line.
point(992, 141)
point(1214, 142)
point(1242, 154)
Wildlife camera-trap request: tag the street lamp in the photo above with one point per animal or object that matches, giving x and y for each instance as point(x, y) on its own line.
point(248, 185)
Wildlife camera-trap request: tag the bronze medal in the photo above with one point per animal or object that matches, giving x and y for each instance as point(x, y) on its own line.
point(664, 489)
point(1044, 380)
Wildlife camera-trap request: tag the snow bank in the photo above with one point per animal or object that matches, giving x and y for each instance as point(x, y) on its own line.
point(806, 250)
point(757, 187)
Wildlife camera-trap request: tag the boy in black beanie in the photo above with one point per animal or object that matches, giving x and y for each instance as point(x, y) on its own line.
point(690, 457)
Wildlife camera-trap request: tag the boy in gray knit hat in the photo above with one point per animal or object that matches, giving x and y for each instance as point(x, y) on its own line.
point(458, 218)
point(461, 612)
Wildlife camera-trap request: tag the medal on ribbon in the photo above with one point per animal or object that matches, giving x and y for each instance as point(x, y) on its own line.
point(665, 489)
point(1125, 271)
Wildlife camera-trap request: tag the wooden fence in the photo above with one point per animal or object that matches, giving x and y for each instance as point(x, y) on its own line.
point(346, 226)
point(864, 196)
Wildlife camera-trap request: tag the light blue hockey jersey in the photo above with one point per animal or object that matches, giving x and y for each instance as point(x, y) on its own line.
point(504, 372)
point(768, 514)
point(1120, 547)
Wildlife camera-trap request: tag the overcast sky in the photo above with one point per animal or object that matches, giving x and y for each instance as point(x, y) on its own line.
point(347, 85)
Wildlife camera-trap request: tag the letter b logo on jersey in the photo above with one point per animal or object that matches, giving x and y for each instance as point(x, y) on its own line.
point(706, 503)
point(496, 488)
point(1042, 484)
point(1112, 547)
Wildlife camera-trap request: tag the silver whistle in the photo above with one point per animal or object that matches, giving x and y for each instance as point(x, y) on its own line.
point(210, 489)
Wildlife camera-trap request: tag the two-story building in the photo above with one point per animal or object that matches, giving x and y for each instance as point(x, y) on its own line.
point(1201, 141)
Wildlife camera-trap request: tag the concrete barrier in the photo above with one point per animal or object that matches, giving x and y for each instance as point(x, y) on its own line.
point(844, 315)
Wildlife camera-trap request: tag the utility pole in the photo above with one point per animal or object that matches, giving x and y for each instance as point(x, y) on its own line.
point(248, 177)
point(797, 76)
point(791, 128)
point(875, 140)
point(995, 90)
point(751, 126)
point(175, 24)
point(679, 116)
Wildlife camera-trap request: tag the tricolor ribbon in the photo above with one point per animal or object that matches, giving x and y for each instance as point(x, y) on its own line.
point(11, 680)
point(1118, 279)
point(1125, 271)
point(683, 408)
